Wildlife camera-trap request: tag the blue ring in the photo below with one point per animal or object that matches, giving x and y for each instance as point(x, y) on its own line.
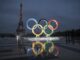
point(27, 22)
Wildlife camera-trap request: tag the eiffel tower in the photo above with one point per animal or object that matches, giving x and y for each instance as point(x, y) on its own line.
point(20, 29)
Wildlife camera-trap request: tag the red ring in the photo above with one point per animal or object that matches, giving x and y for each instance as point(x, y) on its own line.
point(54, 28)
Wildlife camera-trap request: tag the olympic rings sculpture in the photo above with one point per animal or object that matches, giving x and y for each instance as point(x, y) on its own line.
point(43, 28)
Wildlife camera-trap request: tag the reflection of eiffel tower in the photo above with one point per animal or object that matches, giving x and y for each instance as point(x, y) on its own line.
point(20, 28)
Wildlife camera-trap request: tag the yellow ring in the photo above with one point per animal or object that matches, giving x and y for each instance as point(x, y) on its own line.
point(34, 31)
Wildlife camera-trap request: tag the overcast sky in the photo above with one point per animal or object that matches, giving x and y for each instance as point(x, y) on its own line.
point(67, 12)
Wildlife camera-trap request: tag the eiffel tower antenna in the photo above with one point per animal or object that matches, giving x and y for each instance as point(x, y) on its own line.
point(20, 28)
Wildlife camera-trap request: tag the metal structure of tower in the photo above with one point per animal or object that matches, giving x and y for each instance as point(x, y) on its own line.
point(20, 29)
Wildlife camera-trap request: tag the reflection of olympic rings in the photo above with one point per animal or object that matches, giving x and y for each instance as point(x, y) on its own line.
point(56, 51)
point(49, 47)
point(31, 19)
point(43, 29)
point(41, 49)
